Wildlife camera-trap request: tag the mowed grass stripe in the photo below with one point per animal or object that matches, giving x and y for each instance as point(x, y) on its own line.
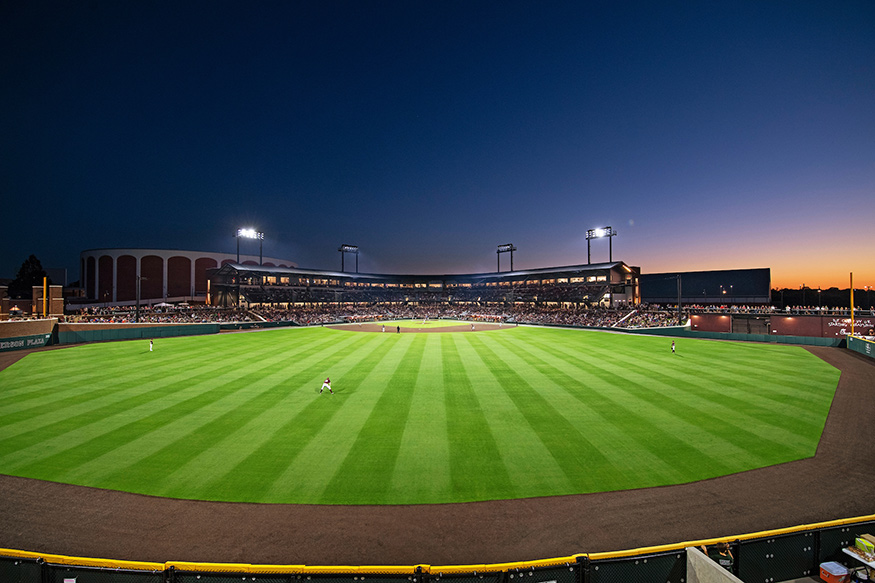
point(476, 469)
point(239, 433)
point(420, 474)
point(729, 403)
point(604, 430)
point(527, 460)
point(110, 442)
point(750, 428)
point(297, 462)
point(31, 440)
point(750, 432)
point(801, 389)
point(246, 403)
point(562, 450)
point(116, 375)
point(676, 441)
point(366, 472)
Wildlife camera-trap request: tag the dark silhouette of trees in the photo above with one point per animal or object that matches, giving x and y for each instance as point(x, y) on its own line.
point(30, 273)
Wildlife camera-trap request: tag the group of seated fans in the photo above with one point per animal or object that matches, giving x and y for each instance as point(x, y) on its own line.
point(641, 316)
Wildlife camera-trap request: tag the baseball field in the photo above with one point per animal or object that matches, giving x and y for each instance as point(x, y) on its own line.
point(457, 416)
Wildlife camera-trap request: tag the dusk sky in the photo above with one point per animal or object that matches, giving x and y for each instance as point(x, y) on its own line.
point(710, 135)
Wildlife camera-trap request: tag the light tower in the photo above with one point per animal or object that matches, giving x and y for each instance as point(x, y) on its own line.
point(598, 234)
point(506, 248)
point(250, 234)
point(344, 249)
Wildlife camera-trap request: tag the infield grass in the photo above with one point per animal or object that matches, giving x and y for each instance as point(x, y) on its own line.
point(416, 418)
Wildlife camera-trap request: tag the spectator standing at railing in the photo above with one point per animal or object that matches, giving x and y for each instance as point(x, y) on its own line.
point(720, 554)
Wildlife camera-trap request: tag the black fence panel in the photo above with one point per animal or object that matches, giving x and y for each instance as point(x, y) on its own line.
point(57, 574)
point(187, 577)
point(777, 558)
point(562, 574)
point(14, 570)
point(834, 539)
point(668, 567)
point(376, 578)
point(491, 577)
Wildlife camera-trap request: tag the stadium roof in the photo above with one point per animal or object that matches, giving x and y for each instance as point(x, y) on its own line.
point(565, 270)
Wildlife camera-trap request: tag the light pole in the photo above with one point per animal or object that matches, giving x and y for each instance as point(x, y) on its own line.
point(250, 234)
point(344, 249)
point(598, 234)
point(506, 248)
point(140, 278)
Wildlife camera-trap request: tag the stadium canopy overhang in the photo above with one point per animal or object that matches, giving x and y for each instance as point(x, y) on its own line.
point(617, 270)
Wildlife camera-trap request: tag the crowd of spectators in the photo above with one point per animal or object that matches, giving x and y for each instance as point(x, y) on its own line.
point(161, 314)
point(642, 316)
point(767, 309)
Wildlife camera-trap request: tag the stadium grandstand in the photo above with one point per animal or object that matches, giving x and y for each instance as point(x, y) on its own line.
point(596, 285)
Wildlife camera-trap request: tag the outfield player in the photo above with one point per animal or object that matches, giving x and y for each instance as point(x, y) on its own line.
point(672, 347)
point(326, 385)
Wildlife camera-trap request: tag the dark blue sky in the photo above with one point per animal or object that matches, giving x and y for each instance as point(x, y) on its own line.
point(710, 135)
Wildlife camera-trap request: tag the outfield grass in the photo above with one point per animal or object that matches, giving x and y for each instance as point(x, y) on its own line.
point(416, 418)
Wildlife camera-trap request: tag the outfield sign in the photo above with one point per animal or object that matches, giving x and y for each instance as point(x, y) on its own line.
point(24, 342)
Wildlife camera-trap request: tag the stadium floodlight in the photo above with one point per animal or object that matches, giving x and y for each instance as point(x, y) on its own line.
point(598, 234)
point(506, 248)
point(249, 233)
point(344, 249)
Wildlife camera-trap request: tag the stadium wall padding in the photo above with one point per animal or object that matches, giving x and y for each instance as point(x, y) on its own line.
point(25, 342)
point(777, 555)
point(79, 335)
point(861, 345)
point(771, 338)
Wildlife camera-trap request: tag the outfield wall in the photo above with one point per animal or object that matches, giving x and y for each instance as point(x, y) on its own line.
point(781, 324)
point(861, 345)
point(679, 332)
point(24, 334)
point(776, 555)
point(79, 333)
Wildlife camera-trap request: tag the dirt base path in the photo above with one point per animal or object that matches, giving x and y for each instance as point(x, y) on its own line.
point(89, 522)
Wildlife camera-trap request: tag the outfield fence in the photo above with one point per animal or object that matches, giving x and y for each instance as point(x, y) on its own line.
point(681, 332)
point(81, 333)
point(861, 345)
point(767, 557)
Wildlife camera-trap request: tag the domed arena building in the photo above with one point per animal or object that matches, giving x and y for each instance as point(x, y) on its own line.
point(110, 275)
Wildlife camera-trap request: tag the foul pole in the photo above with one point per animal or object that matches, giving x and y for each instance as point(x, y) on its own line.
point(852, 303)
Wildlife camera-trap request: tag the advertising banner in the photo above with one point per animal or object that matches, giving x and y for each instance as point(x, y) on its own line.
point(841, 327)
point(24, 342)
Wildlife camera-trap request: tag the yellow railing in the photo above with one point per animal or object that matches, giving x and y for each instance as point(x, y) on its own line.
point(408, 570)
